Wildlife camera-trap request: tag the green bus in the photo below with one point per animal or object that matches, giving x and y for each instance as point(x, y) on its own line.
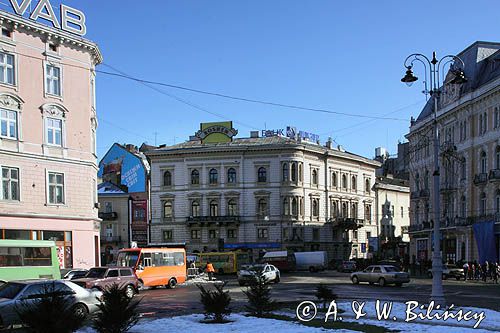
point(224, 262)
point(28, 259)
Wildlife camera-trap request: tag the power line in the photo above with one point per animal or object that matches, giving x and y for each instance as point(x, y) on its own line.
point(243, 99)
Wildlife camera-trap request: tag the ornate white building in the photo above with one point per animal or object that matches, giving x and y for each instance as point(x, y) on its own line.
point(262, 193)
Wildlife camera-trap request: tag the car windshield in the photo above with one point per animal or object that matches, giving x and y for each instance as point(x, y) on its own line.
point(11, 289)
point(96, 273)
point(391, 269)
point(257, 268)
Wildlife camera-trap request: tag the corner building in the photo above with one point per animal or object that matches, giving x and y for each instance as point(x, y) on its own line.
point(48, 139)
point(262, 193)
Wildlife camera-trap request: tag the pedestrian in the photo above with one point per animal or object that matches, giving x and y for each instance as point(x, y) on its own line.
point(466, 270)
point(484, 270)
point(475, 270)
point(210, 271)
point(494, 272)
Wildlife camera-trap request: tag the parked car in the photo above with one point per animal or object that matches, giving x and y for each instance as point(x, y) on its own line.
point(248, 274)
point(381, 274)
point(347, 266)
point(100, 278)
point(75, 274)
point(449, 271)
point(311, 261)
point(15, 293)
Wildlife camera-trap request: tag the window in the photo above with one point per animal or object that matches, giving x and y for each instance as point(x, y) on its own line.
point(402, 212)
point(497, 117)
point(353, 183)
point(354, 210)
point(262, 207)
point(300, 172)
point(367, 186)
point(212, 234)
point(52, 47)
point(463, 169)
point(334, 179)
point(315, 207)
point(262, 233)
point(286, 206)
point(231, 176)
point(53, 80)
point(294, 207)
point(8, 124)
point(108, 207)
point(334, 209)
point(314, 177)
point(315, 234)
point(231, 233)
point(262, 175)
point(483, 165)
point(167, 209)
point(168, 235)
point(7, 68)
point(344, 181)
point(426, 179)
point(213, 176)
point(54, 131)
point(417, 182)
point(482, 204)
point(195, 234)
point(232, 207)
point(497, 158)
point(345, 210)
point(497, 202)
point(294, 172)
point(56, 188)
point(285, 172)
point(6, 33)
point(167, 178)
point(10, 183)
point(463, 207)
point(368, 212)
point(195, 177)
point(214, 208)
point(195, 208)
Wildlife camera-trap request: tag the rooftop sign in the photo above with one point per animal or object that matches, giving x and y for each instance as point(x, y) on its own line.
point(71, 20)
point(292, 133)
point(216, 132)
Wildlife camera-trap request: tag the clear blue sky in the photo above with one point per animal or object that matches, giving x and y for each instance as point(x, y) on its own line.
point(345, 56)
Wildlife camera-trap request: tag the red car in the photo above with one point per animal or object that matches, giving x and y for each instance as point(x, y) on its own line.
point(99, 278)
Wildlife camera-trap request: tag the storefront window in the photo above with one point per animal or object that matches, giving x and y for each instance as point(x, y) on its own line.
point(17, 234)
point(53, 235)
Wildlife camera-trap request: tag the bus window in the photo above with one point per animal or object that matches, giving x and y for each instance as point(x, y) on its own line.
point(127, 258)
point(178, 258)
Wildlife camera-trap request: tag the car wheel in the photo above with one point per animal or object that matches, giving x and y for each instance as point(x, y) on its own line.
point(221, 271)
point(80, 310)
point(129, 291)
point(172, 283)
point(277, 280)
point(381, 282)
point(355, 279)
point(399, 284)
point(140, 285)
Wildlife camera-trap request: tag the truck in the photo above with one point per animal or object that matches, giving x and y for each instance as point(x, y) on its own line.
point(312, 261)
point(283, 260)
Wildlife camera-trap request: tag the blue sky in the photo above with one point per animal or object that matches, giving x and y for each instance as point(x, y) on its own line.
point(343, 56)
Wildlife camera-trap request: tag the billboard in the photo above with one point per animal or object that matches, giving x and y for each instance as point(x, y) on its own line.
point(139, 222)
point(219, 132)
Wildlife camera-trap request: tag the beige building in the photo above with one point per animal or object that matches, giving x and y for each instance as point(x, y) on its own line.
point(48, 128)
point(469, 132)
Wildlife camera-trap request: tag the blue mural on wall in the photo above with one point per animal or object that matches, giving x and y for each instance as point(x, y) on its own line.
point(121, 167)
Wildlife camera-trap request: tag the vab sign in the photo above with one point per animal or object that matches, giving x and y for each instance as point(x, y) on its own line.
point(71, 20)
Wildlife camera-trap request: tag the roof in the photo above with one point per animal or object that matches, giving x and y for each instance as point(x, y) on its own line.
point(392, 181)
point(108, 188)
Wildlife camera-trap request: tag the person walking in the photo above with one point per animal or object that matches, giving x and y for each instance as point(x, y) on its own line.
point(494, 272)
point(466, 270)
point(485, 271)
point(210, 271)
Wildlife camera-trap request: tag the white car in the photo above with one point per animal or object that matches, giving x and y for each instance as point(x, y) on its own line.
point(249, 274)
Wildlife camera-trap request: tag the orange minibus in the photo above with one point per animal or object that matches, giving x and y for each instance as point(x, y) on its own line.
point(155, 266)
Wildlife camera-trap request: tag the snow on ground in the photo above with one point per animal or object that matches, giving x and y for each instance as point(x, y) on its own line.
point(240, 324)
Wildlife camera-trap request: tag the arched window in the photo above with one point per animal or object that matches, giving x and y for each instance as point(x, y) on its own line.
point(231, 176)
point(344, 181)
point(167, 178)
point(315, 207)
point(368, 212)
point(345, 210)
point(195, 177)
point(417, 182)
point(294, 171)
point(300, 172)
point(482, 204)
point(167, 209)
point(195, 208)
point(213, 176)
point(294, 207)
point(232, 207)
point(353, 183)
point(484, 164)
point(315, 177)
point(426, 179)
point(262, 207)
point(286, 174)
point(262, 175)
point(333, 208)
point(463, 168)
point(286, 206)
point(334, 179)
point(214, 208)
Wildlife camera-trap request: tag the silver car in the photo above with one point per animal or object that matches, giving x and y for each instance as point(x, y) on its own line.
point(16, 293)
point(381, 274)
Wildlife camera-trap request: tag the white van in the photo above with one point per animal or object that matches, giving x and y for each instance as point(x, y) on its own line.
point(311, 261)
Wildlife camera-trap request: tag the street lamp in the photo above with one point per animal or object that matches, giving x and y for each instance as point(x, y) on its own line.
point(435, 66)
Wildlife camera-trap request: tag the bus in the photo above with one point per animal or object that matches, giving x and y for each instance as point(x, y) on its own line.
point(155, 266)
point(224, 262)
point(28, 259)
point(283, 260)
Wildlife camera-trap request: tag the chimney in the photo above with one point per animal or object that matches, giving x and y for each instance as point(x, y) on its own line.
point(329, 143)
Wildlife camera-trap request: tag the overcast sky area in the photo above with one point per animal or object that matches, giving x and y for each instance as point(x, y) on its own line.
point(341, 56)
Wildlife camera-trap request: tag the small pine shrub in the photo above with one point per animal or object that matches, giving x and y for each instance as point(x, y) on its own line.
point(260, 303)
point(118, 313)
point(324, 294)
point(51, 312)
point(215, 302)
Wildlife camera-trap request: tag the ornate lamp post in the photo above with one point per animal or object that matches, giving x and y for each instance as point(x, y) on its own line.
point(434, 66)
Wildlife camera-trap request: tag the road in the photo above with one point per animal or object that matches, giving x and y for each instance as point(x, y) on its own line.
point(295, 287)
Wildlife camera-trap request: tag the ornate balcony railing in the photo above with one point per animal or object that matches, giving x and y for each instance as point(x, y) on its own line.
point(495, 174)
point(108, 216)
point(480, 178)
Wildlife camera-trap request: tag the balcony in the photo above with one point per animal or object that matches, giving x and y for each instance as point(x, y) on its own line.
point(110, 216)
point(419, 227)
point(495, 175)
point(480, 178)
point(218, 220)
point(346, 223)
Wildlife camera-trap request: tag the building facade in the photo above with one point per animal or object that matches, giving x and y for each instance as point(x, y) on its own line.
point(262, 193)
point(48, 129)
point(468, 118)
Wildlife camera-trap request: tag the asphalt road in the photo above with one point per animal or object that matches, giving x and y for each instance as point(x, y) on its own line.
point(295, 287)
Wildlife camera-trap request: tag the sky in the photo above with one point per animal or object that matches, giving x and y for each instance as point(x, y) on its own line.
point(342, 56)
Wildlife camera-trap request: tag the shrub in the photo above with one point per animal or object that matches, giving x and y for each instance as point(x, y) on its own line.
point(259, 297)
point(51, 312)
point(324, 294)
point(215, 302)
point(118, 313)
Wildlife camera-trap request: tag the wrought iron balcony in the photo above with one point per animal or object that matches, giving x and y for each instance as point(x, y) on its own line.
point(480, 178)
point(110, 216)
point(346, 223)
point(213, 219)
point(495, 174)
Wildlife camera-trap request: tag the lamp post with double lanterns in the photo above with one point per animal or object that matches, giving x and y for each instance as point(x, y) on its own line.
point(435, 68)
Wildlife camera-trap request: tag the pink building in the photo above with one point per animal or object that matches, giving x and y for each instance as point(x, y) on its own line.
point(48, 128)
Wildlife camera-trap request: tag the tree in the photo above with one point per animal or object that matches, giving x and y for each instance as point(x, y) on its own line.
point(118, 312)
point(324, 294)
point(259, 297)
point(215, 302)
